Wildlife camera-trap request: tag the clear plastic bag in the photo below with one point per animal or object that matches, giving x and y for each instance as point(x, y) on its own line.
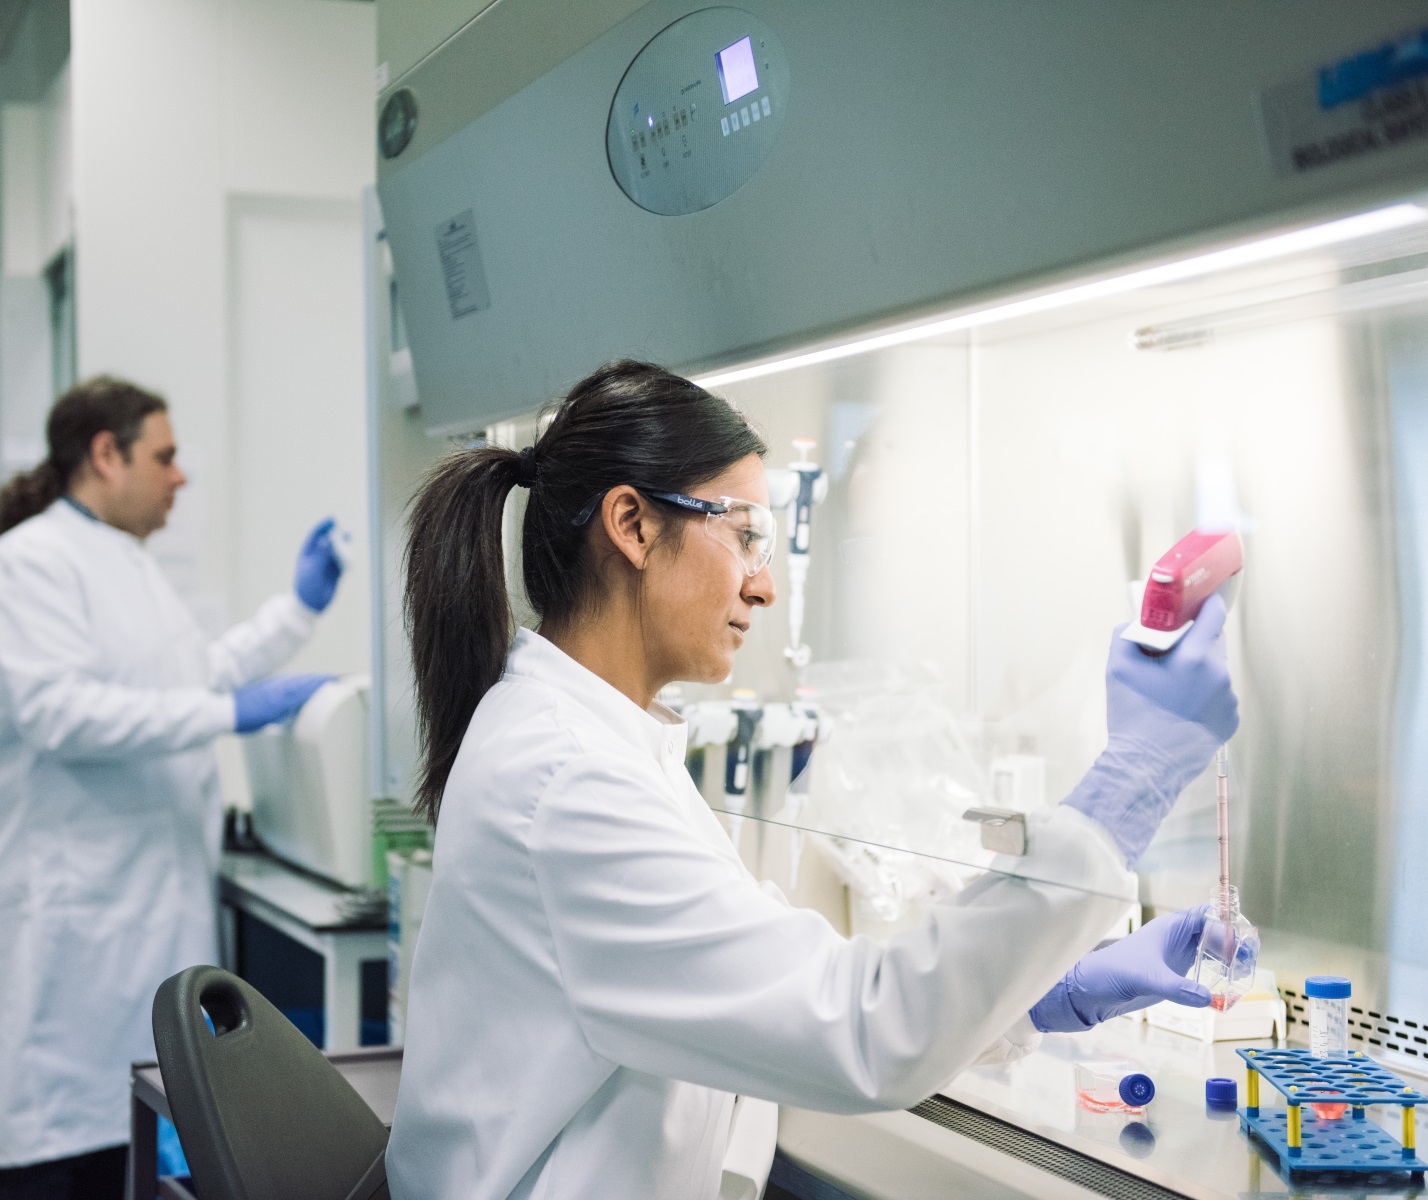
point(887, 785)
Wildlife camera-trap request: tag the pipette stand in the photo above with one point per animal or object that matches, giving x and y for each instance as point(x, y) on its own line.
point(1303, 1141)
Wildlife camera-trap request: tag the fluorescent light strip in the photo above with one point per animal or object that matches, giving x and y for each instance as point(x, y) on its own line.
point(1346, 229)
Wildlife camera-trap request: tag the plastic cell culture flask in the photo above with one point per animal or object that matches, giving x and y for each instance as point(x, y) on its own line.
point(1228, 952)
point(1105, 1087)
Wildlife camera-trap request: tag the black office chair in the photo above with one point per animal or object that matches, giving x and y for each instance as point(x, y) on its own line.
point(261, 1114)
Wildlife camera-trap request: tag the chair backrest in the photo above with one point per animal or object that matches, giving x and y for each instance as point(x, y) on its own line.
point(261, 1113)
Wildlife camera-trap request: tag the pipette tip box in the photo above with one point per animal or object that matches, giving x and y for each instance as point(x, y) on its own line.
point(1305, 1142)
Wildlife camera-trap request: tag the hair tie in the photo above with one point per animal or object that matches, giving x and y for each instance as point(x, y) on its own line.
point(527, 476)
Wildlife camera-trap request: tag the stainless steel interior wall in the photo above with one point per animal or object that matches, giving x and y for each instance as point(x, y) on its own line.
point(993, 493)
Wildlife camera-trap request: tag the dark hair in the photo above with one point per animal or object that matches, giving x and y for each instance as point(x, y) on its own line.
point(98, 405)
point(627, 423)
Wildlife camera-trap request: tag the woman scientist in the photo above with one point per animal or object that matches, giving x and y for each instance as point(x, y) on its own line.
point(597, 973)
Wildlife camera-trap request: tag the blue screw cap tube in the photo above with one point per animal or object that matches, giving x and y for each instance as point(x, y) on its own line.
point(1328, 997)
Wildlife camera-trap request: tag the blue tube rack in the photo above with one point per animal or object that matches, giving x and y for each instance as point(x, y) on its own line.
point(1304, 1141)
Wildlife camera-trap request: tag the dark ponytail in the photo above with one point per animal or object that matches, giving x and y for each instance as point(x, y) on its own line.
point(99, 405)
point(29, 493)
point(457, 609)
point(628, 423)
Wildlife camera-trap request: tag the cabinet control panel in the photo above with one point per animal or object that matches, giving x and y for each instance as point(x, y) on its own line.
point(698, 111)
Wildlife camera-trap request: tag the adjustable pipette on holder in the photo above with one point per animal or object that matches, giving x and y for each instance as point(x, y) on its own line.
point(793, 727)
point(812, 487)
point(739, 761)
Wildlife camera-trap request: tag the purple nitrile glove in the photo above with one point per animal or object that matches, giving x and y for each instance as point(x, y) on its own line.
point(1132, 973)
point(1165, 718)
point(319, 567)
point(277, 698)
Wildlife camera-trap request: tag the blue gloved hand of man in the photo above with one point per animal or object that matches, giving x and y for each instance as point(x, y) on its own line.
point(277, 698)
point(319, 566)
point(1132, 973)
point(1165, 717)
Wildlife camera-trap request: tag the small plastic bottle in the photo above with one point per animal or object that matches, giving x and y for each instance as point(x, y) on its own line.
point(1328, 997)
point(1228, 953)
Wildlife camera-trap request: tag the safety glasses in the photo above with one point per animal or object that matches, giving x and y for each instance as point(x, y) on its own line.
point(746, 529)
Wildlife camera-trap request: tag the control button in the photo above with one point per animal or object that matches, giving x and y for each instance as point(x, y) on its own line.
point(724, 125)
point(765, 103)
point(745, 114)
point(734, 120)
point(754, 108)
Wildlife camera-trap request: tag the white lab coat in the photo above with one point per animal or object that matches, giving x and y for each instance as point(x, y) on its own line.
point(597, 974)
point(110, 814)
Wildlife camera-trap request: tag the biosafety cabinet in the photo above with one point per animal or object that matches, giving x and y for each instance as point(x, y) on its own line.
point(566, 182)
point(1048, 284)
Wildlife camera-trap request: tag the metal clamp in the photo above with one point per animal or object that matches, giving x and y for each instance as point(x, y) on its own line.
point(1003, 829)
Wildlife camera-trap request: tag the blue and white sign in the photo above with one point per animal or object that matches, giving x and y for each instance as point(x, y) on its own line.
point(1353, 109)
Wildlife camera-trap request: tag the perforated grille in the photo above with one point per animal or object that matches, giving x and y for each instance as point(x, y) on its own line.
point(1049, 1156)
point(1368, 1030)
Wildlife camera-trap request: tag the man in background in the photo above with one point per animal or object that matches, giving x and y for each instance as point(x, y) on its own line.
point(110, 811)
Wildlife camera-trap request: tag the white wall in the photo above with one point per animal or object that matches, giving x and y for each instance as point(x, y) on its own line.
point(298, 434)
point(187, 112)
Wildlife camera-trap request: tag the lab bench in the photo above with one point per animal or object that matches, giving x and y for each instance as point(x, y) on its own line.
point(320, 916)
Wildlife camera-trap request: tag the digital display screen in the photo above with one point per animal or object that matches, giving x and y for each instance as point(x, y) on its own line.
point(737, 73)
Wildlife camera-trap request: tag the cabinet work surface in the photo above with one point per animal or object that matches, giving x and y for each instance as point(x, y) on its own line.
point(1017, 1130)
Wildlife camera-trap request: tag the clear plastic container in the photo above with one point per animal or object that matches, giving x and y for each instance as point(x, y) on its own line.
point(1113, 1087)
point(1228, 952)
point(1328, 997)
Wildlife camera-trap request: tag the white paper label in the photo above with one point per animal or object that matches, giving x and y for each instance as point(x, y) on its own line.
point(461, 268)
